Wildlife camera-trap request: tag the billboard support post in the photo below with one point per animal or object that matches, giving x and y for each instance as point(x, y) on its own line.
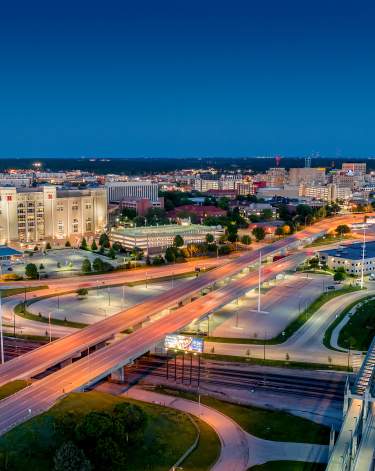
point(183, 367)
point(199, 369)
point(191, 367)
point(167, 363)
point(175, 367)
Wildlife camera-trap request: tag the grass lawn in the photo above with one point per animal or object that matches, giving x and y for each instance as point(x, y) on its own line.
point(360, 329)
point(168, 435)
point(288, 466)
point(13, 291)
point(279, 363)
point(264, 423)
point(207, 451)
point(336, 322)
point(21, 311)
point(12, 387)
point(294, 325)
point(330, 239)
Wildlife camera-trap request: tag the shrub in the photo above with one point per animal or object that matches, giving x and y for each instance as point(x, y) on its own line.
point(31, 271)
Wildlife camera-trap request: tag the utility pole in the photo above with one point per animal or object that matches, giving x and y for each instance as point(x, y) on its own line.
point(363, 255)
point(1, 333)
point(259, 278)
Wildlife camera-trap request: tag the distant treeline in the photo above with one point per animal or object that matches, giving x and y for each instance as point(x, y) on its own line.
point(139, 166)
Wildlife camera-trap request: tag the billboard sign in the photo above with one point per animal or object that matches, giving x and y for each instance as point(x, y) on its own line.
point(185, 343)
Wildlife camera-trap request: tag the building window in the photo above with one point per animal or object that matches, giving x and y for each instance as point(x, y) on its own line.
point(75, 225)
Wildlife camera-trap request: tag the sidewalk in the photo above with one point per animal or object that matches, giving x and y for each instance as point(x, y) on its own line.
point(239, 450)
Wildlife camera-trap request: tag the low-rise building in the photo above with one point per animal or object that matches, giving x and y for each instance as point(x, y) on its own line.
point(198, 212)
point(350, 258)
point(156, 239)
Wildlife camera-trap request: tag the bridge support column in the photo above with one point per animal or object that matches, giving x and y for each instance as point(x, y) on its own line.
point(118, 376)
point(66, 362)
point(331, 441)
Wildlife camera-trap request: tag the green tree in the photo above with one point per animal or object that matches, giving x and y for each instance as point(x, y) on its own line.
point(97, 264)
point(82, 291)
point(112, 253)
point(128, 213)
point(132, 419)
point(86, 266)
point(339, 276)
point(48, 246)
point(246, 239)
point(314, 262)
point(259, 233)
point(83, 245)
point(117, 247)
point(70, 458)
point(342, 229)
point(171, 254)
point(41, 266)
point(266, 214)
point(156, 216)
point(104, 240)
point(31, 271)
point(94, 247)
point(209, 238)
point(139, 221)
point(178, 241)
point(223, 203)
point(279, 231)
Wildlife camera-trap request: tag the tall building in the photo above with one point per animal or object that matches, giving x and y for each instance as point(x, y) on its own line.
point(307, 175)
point(276, 176)
point(118, 191)
point(329, 193)
point(359, 167)
point(35, 214)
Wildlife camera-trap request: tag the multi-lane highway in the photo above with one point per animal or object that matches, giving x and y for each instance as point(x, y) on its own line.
point(43, 393)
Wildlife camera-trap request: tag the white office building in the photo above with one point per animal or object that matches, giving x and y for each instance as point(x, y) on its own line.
point(155, 239)
point(117, 191)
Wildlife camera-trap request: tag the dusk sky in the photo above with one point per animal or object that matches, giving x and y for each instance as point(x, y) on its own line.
point(187, 78)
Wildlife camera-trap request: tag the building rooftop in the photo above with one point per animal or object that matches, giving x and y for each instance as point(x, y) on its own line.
point(6, 251)
point(352, 251)
point(168, 229)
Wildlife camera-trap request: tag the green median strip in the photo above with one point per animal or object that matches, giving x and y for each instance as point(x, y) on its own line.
point(6, 292)
point(294, 325)
point(12, 387)
point(360, 329)
point(328, 333)
point(21, 310)
point(278, 363)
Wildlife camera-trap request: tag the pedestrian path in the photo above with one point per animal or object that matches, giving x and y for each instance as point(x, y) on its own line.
point(239, 449)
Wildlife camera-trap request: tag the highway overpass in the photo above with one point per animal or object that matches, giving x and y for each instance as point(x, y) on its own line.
point(72, 346)
point(43, 393)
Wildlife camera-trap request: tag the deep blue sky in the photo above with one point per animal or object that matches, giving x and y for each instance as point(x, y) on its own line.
point(186, 77)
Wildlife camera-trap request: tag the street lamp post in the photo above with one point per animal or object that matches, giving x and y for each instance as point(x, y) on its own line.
point(259, 278)
point(1, 333)
point(49, 322)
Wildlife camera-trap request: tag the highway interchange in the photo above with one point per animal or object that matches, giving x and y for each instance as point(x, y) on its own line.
point(98, 364)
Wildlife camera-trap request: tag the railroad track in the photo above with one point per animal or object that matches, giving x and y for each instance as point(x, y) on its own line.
point(235, 378)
